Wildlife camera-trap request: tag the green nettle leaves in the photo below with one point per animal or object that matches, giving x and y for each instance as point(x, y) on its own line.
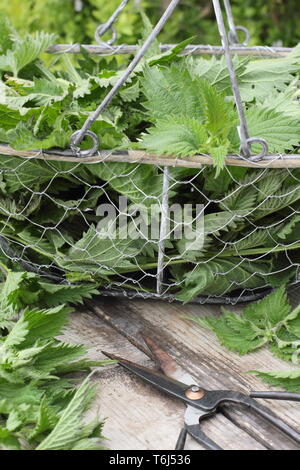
point(269, 322)
point(25, 51)
point(39, 406)
point(184, 104)
point(171, 105)
point(289, 380)
point(176, 135)
point(188, 119)
point(217, 277)
point(41, 92)
point(281, 132)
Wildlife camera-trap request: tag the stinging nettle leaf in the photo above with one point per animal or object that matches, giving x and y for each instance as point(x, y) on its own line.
point(24, 51)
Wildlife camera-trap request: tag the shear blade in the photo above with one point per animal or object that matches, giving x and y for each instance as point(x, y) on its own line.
point(171, 386)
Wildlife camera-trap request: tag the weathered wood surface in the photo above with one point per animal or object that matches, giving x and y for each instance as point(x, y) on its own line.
point(140, 417)
point(142, 157)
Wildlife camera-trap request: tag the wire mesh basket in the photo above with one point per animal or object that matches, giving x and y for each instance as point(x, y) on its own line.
point(157, 227)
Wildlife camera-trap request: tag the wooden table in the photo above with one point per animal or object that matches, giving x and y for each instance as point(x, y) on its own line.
point(138, 416)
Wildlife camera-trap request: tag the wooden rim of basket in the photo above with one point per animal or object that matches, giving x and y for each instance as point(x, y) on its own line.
point(192, 49)
point(133, 156)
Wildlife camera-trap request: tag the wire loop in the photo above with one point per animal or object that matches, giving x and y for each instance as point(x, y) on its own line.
point(77, 136)
point(261, 155)
point(101, 30)
point(233, 37)
point(88, 152)
point(109, 25)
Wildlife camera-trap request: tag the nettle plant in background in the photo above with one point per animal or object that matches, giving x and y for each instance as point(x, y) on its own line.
point(268, 22)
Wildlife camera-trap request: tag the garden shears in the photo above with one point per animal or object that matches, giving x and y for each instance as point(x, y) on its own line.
point(169, 377)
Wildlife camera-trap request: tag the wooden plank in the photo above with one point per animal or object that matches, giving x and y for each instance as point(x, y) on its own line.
point(130, 156)
point(121, 398)
point(138, 416)
point(199, 352)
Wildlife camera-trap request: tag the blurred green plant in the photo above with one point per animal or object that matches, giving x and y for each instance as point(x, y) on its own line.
point(269, 21)
point(60, 17)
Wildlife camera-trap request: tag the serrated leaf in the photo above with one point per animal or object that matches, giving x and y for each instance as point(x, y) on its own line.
point(68, 430)
point(18, 334)
point(280, 132)
point(82, 85)
point(42, 92)
point(63, 294)
point(8, 441)
point(60, 357)
point(97, 254)
point(220, 276)
point(272, 309)
point(265, 322)
point(25, 51)
point(21, 174)
point(285, 102)
point(219, 114)
point(286, 229)
point(140, 184)
point(22, 138)
point(92, 443)
point(262, 77)
point(44, 323)
point(218, 155)
point(288, 380)
point(215, 70)
point(167, 94)
point(46, 420)
point(278, 201)
point(30, 354)
point(171, 55)
point(130, 93)
point(236, 335)
point(176, 136)
point(6, 33)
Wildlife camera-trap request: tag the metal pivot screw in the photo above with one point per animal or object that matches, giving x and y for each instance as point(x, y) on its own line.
point(194, 393)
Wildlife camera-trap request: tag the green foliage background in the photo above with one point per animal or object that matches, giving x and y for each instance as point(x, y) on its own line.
point(269, 21)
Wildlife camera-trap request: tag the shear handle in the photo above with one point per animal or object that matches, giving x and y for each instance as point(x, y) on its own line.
point(196, 432)
point(276, 396)
point(271, 418)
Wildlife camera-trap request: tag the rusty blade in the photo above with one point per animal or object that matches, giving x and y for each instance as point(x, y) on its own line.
point(166, 363)
point(167, 384)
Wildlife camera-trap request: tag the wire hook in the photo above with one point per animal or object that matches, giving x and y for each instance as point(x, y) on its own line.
point(101, 30)
point(233, 37)
point(109, 25)
point(84, 153)
point(263, 153)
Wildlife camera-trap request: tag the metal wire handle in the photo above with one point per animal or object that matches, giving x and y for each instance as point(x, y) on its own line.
point(79, 135)
point(232, 35)
point(105, 27)
point(245, 139)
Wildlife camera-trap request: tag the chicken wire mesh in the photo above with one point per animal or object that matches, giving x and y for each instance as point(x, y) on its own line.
point(226, 238)
point(165, 228)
